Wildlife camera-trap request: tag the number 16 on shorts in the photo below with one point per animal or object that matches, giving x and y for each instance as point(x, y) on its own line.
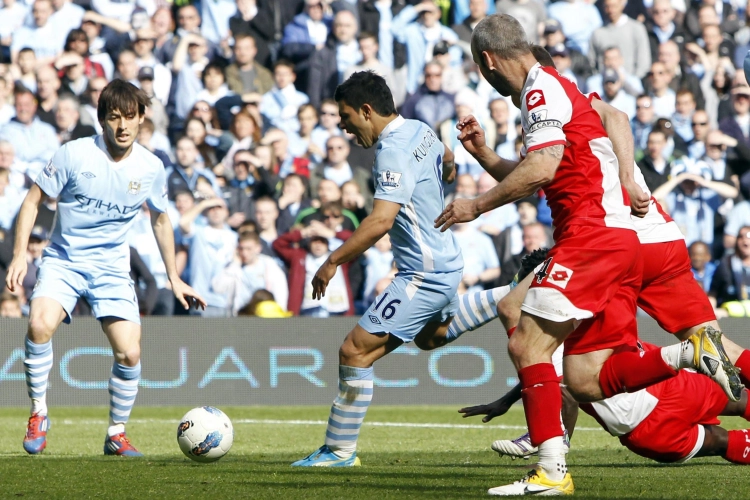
point(388, 310)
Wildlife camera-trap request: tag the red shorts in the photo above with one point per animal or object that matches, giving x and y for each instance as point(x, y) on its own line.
point(670, 433)
point(670, 293)
point(593, 274)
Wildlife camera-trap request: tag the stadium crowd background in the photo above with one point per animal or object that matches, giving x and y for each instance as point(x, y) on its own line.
point(263, 184)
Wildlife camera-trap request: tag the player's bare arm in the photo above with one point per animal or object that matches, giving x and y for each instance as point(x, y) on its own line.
point(164, 235)
point(473, 139)
point(617, 125)
point(372, 228)
point(449, 166)
point(24, 224)
point(535, 171)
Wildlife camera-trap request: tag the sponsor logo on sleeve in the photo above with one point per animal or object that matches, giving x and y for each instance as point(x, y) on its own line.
point(534, 99)
point(50, 170)
point(545, 123)
point(390, 180)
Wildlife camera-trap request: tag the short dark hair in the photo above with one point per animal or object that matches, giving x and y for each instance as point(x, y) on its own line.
point(284, 62)
point(541, 55)
point(124, 97)
point(367, 87)
point(212, 66)
point(364, 35)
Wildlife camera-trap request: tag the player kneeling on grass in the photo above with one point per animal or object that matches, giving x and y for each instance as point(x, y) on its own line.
point(100, 183)
point(421, 304)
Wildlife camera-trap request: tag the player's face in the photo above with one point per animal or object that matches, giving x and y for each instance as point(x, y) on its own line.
point(121, 129)
point(354, 122)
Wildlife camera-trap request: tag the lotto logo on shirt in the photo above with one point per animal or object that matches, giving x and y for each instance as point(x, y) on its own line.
point(559, 275)
point(534, 98)
point(390, 180)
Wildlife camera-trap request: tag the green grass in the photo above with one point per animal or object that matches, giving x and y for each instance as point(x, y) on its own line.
point(398, 462)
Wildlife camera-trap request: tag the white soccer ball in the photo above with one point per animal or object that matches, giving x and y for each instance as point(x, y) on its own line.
point(205, 434)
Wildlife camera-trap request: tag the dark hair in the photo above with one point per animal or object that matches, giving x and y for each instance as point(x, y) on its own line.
point(284, 62)
point(74, 35)
point(212, 66)
point(367, 87)
point(541, 55)
point(249, 236)
point(259, 296)
point(124, 97)
point(26, 50)
point(364, 35)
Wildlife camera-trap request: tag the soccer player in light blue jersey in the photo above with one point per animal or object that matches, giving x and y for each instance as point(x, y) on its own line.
point(100, 184)
point(421, 304)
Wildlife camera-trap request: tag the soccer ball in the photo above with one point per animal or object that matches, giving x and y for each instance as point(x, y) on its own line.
point(205, 434)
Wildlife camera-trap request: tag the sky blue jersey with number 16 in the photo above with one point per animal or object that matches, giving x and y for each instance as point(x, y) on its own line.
point(408, 171)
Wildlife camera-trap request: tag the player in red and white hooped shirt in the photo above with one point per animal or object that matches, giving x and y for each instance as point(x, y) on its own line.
point(594, 268)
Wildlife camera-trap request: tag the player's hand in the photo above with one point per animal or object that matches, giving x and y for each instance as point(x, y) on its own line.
point(492, 410)
point(639, 200)
point(458, 211)
point(471, 135)
point(16, 273)
point(321, 279)
point(187, 296)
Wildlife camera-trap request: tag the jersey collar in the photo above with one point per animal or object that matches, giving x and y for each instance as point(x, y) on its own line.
point(396, 123)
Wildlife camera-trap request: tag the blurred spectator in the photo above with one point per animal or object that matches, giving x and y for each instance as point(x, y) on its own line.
point(73, 80)
point(623, 32)
point(27, 66)
point(683, 115)
point(303, 252)
point(682, 76)
point(693, 199)
point(494, 221)
point(305, 34)
point(100, 46)
point(612, 59)
point(328, 126)
point(418, 27)
point(454, 76)
point(42, 36)
point(563, 63)
point(576, 19)
point(700, 261)
point(279, 105)
point(737, 126)
point(368, 47)
point(701, 126)
point(293, 199)
point(466, 188)
point(662, 97)
point(143, 47)
point(34, 141)
point(336, 168)
point(77, 43)
point(246, 132)
point(184, 175)
point(189, 60)
point(266, 215)
point(141, 239)
point(711, 11)
point(16, 170)
point(149, 138)
point(245, 74)
point(378, 263)
point(188, 23)
point(214, 84)
point(327, 192)
point(303, 145)
point(10, 305)
point(238, 194)
point(6, 87)
point(731, 280)
point(614, 94)
point(429, 104)
point(510, 241)
point(69, 127)
point(10, 200)
point(215, 19)
point(328, 64)
point(12, 17)
point(263, 305)
point(283, 161)
point(47, 87)
point(477, 12)
point(127, 67)
point(481, 265)
point(534, 238)
point(530, 13)
point(195, 129)
point(643, 122)
point(210, 249)
point(663, 28)
point(91, 101)
point(162, 24)
point(353, 200)
point(655, 168)
point(256, 21)
point(249, 272)
point(553, 34)
point(500, 134)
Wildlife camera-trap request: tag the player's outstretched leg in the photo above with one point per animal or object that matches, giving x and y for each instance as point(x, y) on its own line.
point(37, 365)
point(475, 309)
point(123, 388)
point(704, 352)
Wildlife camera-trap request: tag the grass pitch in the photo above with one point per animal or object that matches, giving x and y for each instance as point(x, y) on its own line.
point(406, 452)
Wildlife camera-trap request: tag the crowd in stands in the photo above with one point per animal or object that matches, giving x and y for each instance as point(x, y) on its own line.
point(262, 183)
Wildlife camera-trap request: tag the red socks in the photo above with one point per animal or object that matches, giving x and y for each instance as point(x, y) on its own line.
point(633, 371)
point(738, 449)
point(542, 402)
point(743, 363)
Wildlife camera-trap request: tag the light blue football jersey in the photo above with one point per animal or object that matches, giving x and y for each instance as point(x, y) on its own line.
point(97, 201)
point(408, 171)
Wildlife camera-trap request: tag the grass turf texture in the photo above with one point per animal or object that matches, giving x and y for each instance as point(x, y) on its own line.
point(398, 462)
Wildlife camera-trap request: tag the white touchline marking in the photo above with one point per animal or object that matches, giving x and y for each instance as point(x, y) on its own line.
point(253, 421)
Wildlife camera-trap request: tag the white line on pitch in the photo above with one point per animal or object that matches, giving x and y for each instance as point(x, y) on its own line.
point(253, 421)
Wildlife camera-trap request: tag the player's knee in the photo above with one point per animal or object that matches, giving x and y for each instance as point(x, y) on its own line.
point(40, 329)
point(128, 357)
point(517, 350)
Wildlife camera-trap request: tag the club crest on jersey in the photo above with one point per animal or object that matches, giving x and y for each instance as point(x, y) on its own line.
point(134, 187)
point(538, 116)
point(534, 98)
point(50, 169)
point(559, 275)
point(390, 180)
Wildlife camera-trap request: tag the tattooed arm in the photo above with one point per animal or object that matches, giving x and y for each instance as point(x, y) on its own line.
point(535, 171)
